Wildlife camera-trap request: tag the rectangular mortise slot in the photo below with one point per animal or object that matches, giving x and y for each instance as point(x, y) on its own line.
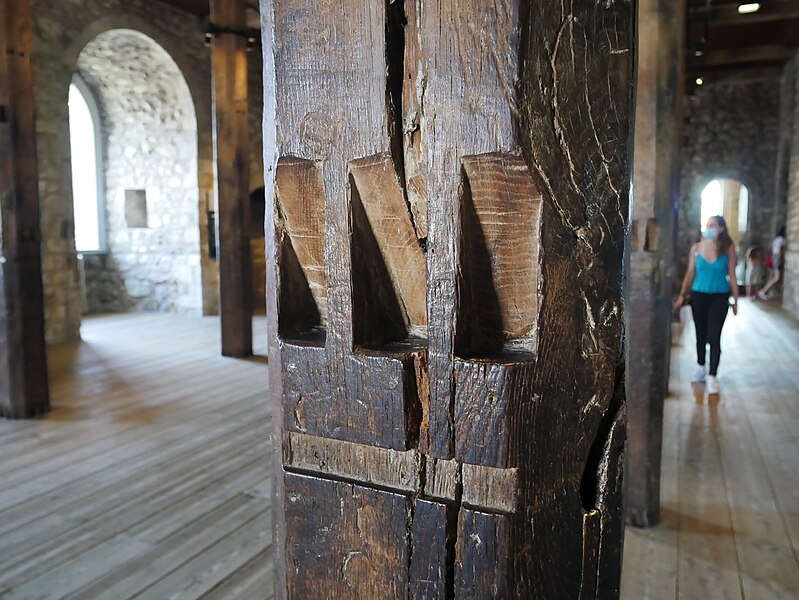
point(389, 272)
point(300, 226)
point(635, 238)
point(652, 242)
point(499, 261)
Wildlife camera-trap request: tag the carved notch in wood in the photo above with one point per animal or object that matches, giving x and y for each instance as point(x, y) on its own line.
point(389, 275)
point(300, 227)
point(500, 237)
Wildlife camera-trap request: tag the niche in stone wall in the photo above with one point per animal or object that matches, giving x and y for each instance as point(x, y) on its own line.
point(135, 208)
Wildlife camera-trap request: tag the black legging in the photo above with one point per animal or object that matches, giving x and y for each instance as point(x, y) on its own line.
point(710, 311)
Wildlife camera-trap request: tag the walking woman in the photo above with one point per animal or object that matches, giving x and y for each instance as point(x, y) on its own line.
point(711, 279)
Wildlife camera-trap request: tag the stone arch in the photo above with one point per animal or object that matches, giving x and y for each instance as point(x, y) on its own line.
point(734, 173)
point(690, 206)
point(150, 168)
point(134, 22)
point(61, 35)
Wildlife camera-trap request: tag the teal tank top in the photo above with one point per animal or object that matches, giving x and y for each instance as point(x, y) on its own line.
point(712, 277)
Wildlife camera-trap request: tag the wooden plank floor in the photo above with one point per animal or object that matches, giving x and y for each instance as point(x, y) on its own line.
point(150, 477)
point(730, 476)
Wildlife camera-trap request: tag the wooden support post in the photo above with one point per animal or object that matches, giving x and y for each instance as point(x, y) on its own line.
point(651, 274)
point(446, 219)
point(231, 155)
point(23, 358)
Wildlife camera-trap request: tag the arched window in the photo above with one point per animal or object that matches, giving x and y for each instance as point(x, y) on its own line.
point(730, 199)
point(87, 186)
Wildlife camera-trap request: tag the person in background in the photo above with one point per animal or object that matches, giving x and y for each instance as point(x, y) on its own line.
point(711, 280)
point(777, 265)
point(755, 271)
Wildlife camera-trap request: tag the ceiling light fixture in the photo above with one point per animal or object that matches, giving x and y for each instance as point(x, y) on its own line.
point(699, 81)
point(749, 7)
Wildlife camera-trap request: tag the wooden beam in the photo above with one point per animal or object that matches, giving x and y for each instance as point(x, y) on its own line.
point(231, 139)
point(23, 359)
point(717, 57)
point(735, 73)
point(727, 15)
point(450, 383)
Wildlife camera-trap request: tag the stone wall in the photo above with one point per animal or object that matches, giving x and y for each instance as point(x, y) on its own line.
point(63, 28)
point(731, 131)
point(150, 153)
point(790, 295)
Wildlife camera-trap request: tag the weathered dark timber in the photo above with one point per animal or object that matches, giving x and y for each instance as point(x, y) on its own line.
point(386, 249)
point(355, 532)
point(576, 116)
point(229, 61)
point(483, 555)
point(650, 278)
point(481, 397)
point(300, 221)
point(23, 364)
point(430, 577)
point(500, 226)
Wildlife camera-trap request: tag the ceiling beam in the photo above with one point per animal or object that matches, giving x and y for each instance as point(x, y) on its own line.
point(749, 54)
point(726, 15)
point(734, 74)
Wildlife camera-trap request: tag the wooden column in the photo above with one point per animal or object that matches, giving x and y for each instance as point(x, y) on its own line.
point(231, 156)
point(447, 188)
point(23, 358)
point(651, 275)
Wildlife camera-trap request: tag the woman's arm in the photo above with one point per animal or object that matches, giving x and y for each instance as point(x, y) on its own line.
point(689, 277)
point(732, 263)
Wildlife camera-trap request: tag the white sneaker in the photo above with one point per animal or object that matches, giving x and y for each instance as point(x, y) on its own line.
point(712, 384)
point(699, 376)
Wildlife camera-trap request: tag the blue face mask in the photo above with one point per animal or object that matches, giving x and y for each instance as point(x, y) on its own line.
point(710, 234)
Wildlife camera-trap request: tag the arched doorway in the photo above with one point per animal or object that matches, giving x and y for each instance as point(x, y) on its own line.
point(730, 199)
point(148, 180)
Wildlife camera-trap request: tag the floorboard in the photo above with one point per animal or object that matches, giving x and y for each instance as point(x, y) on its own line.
point(730, 475)
point(151, 476)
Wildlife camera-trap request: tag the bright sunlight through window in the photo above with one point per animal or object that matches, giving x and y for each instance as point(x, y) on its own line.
point(85, 189)
point(712, 201)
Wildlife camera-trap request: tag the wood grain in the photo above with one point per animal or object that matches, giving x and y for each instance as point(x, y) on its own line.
point(500, 236)
point(150, 466)
point(381, 198)
point(575, 115)
point(523, 345)
point(466, 76)
point(345, 541)
point(659, 98)
point(231, 139)
point(300, 213)
point(23, 362)
point(368, 465)
point(482, 555)
point(489, 396)
point(384, 408)
point(429, 575)
point(491, 488)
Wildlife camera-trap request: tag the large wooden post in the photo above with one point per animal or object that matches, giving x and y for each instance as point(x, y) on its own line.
point(231, 158)
point(447, 199)
point(23, 362)
point(656, 177)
